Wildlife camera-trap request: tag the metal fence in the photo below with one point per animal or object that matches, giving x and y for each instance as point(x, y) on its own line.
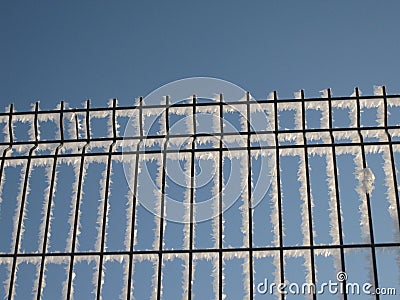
point(328, 127)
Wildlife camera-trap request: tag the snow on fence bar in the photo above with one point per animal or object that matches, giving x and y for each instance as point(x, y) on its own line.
point(263, 220)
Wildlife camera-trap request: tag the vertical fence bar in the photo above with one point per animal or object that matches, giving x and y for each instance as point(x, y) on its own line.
point(309, 206)
point(220, 189)
point(370, 224)
point(135, 190)
point(61, 121)
point(249, 193)
point(278, 183)
point(77, 204)
point(161, 229)
point(335, 172)
point(22, 208)
point(192, 191)
point(50, 202)
point(105, 205)
point(10, 122)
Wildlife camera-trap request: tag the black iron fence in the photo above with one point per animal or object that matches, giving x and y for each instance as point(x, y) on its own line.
point(327, 127)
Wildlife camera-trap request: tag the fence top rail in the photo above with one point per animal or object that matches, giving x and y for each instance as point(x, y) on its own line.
point(198, 104)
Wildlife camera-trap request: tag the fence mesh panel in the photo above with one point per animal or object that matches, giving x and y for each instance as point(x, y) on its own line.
point(70, 213)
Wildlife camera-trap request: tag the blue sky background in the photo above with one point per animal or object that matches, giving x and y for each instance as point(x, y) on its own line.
point(98, 49)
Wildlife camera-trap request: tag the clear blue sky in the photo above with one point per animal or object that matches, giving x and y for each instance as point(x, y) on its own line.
point(100, 49)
